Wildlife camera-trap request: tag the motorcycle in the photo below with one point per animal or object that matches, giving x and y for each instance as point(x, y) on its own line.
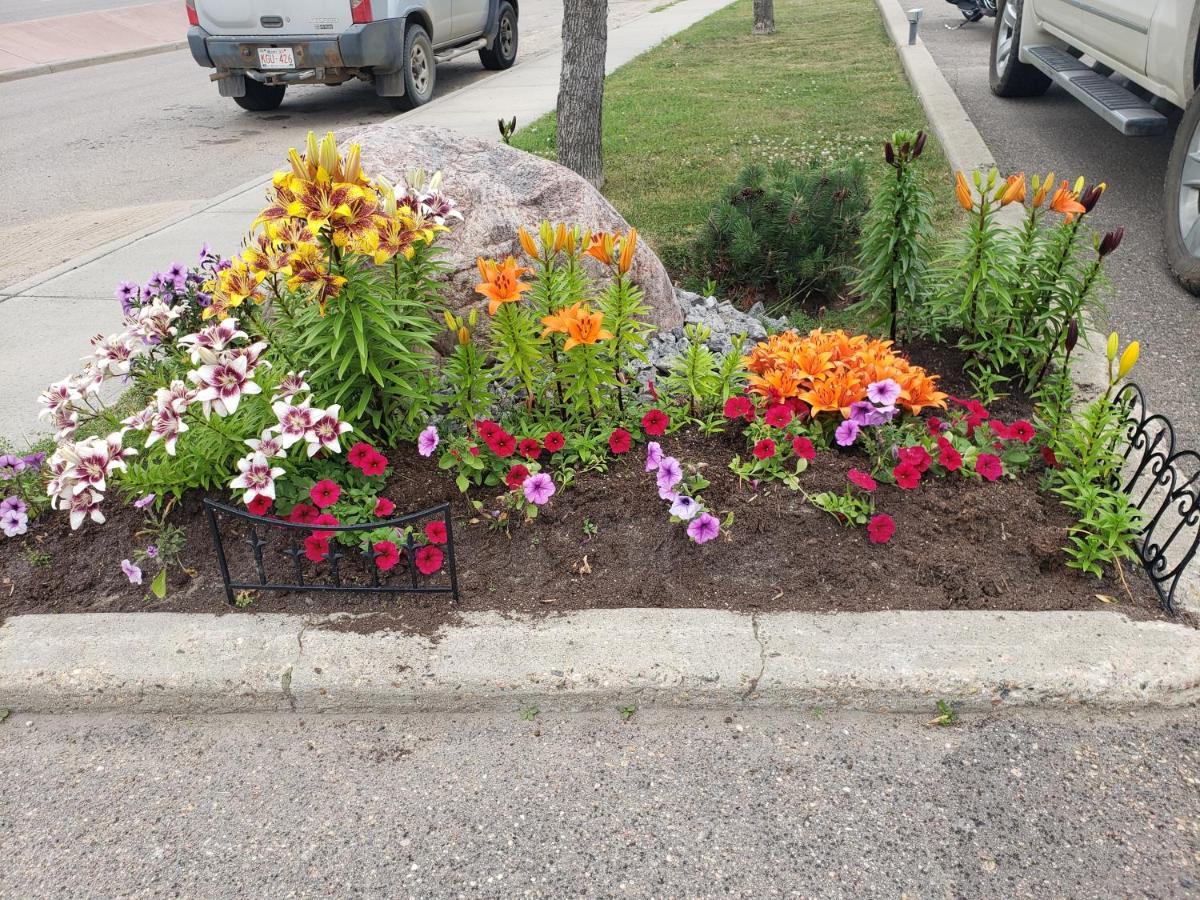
point(973, 10)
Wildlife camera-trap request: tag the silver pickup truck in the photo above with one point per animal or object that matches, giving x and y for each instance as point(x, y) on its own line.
point(259, 47)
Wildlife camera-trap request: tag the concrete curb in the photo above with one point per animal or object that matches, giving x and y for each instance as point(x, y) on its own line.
point(597, 659)
point(83, 62)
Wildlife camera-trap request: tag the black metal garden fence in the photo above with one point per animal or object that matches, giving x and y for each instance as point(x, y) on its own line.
point(282, 562)
point(1163, 482)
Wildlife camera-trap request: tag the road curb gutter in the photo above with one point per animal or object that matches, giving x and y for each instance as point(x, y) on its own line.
point(83, 62)
point(596, 659)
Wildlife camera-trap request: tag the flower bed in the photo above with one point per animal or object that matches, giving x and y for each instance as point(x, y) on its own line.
point(818, 469)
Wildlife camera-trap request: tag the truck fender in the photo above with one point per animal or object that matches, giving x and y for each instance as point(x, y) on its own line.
point(493, 22)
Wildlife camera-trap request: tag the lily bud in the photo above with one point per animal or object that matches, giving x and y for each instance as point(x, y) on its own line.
point(1111, 241)
point(919, 145)
point(527, 242)
point(889, 155)
point(962, 191)
point(1072, 335)
point(1078, 188)
point(1089, 198)
point(473, 317)
point(978, 178)
point(628, 246)
point(464, 336)
point(1129, 358)
point(904, 150)
point(546, 234)
point(451, 322)
point(1013, 190)
point(1111, 350)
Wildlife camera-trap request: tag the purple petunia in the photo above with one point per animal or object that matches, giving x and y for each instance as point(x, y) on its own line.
point(13, 523)
point(11, 466)
point(427, 441)
point(34, 460)
point(132, 572)
point(538, 489)
point(143, 502)
point(704, 528)
point(670, 473)
point(684, 508)
point(654, 455)
point(885, 392)
point(846, 433)
point(13, 504)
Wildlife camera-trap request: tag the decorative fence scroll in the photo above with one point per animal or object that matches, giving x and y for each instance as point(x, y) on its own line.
point(276, 552)
point(1164, 483)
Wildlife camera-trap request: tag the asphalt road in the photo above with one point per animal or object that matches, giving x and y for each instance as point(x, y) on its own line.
point(1056, 133)
point(668, 804)
point(94, 153)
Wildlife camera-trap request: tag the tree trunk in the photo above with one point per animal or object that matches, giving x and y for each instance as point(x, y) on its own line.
point(581, 87)
point(764, 16)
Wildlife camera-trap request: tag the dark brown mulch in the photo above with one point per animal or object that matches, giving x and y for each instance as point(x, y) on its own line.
point(959, 545)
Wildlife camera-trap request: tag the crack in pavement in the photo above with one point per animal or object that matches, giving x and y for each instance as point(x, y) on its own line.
point(285, 678)
point(762, 658)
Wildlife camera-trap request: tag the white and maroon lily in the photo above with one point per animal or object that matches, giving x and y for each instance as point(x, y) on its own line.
point(112, 355)
point(208, 342)
point(326, 430)
point(293, 383)
point(221, 386)
point(65, 393)
point(268, 445)
point(296, 421)
point(166, 426)
point(257, 477)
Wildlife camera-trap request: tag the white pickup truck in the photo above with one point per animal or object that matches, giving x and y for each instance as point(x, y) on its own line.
point(259, 47)
point(1124, 59)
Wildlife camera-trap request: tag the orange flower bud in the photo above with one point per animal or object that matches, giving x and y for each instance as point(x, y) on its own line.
point(628, 246)
point(528, 244)
point(962, 191)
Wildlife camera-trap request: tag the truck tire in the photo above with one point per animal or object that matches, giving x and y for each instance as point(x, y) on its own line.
point(503, 52)
point(1181, 200)
point(261, 97)
point(420, 70)
point(1008, 76)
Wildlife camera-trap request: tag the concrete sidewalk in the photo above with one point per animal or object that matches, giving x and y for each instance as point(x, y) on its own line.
point(48, 319)
point(42, 46)
point(597, 659)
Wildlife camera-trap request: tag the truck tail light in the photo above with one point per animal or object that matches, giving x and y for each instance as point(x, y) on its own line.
point(360, 11)
point(193, 19)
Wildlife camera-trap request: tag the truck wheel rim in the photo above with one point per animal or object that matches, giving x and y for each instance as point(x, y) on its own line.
point(420, 69)
point(1006, 31)
point(1189, 196)
point(506, 37)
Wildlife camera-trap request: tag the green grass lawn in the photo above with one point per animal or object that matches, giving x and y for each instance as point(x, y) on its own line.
point(680, 121)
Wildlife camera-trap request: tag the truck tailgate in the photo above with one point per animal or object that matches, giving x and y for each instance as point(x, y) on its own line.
point(270, 18)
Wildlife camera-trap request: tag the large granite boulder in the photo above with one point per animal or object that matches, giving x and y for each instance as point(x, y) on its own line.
point(498, 188)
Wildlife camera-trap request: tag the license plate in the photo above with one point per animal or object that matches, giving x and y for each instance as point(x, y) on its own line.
point(276, 58)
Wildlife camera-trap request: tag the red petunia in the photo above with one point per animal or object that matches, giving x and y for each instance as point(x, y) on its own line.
point(936, 426)
point(359, 454)
point(435, 532)
point(325, 519)
point(653, 391)
point(386, 554)
point(259, 505)
point(488, 430)
point(619, 441)
point(799, 408)
point(554, 441)
point(1049, 458)
point(1022, 431)
point(303, 514)
point(1000, 430)
point(655, 422)
point(918, 456)
point(474, 450)
point(907, 476)
point(375, 464)
point(804, 448)
point(384, 507)
point(429, 559)
point(764, 449)
point(316, 546)
point(989, 466)
point(738, 407)
point(778, 416)
point(948, 458)
point(516, 476)
point(324, 493)
point(862, 479)
point(503, 444)
point(881, 528)
point(976, 413)
point(529, 448)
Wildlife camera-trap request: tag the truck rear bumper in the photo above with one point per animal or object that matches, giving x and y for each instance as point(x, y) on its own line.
point(375, 45)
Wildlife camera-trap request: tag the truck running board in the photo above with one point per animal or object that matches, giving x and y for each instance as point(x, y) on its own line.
point(1120, 108)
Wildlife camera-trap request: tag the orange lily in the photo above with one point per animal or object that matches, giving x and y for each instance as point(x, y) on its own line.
point(775, 385)
point(501, 283)
point(1040, 190)
point(586, 327)
point(1066, 202)
point(601, 247)
point(835, 392)
point(628, 246)
point(1014, 191)
point(962, 191)
point(560, 322)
